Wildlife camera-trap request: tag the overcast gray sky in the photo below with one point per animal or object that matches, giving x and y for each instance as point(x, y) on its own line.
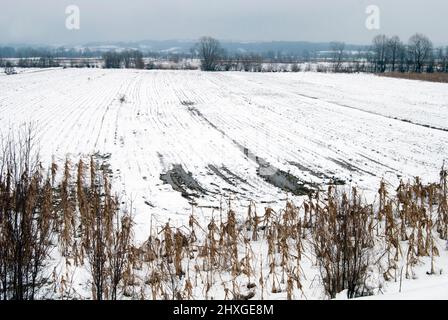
point(43, 21)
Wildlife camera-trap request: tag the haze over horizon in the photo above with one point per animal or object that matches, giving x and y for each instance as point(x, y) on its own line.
point(43, 22)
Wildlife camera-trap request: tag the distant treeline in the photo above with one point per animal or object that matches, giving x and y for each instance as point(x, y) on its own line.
point(126, 59)
point(418, 55)
point(40, 62)
point(385, 54)
point(29, 52)
point(62, 52)
point(285, 55)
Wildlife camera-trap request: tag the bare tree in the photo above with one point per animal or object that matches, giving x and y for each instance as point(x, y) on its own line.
point(337, 49)
point(137, 60)
point(420, 49)
point(210, 52)
point(112, 60)
point(445, 60)
point(379, 47)
point(9, 68)
point(394, 45)
point(439, 59)
point(402, 58)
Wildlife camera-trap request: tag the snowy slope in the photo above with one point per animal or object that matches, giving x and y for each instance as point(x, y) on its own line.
point(218, 126)
point(434, 289)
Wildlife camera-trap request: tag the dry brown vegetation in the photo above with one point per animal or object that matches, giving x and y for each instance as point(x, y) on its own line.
point(41, 220)
point(71, 215)
point(431, 77)
point(345, 236)
point(26, 221)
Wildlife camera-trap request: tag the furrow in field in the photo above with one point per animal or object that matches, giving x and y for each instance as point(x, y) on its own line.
point(212, 133)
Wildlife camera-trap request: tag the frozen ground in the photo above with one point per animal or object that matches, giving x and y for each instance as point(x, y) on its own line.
point(181, 137)
point(244, 136)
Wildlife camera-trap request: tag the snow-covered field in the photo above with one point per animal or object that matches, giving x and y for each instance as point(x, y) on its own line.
point(178, 138)
point(222, 126)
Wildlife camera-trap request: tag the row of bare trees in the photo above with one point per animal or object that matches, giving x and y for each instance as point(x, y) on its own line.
point(418, 55)
point(214, 58)
point(390, 54)
point(126, 59)
point(386, 54)
point(41, 62)
point(8, 67)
